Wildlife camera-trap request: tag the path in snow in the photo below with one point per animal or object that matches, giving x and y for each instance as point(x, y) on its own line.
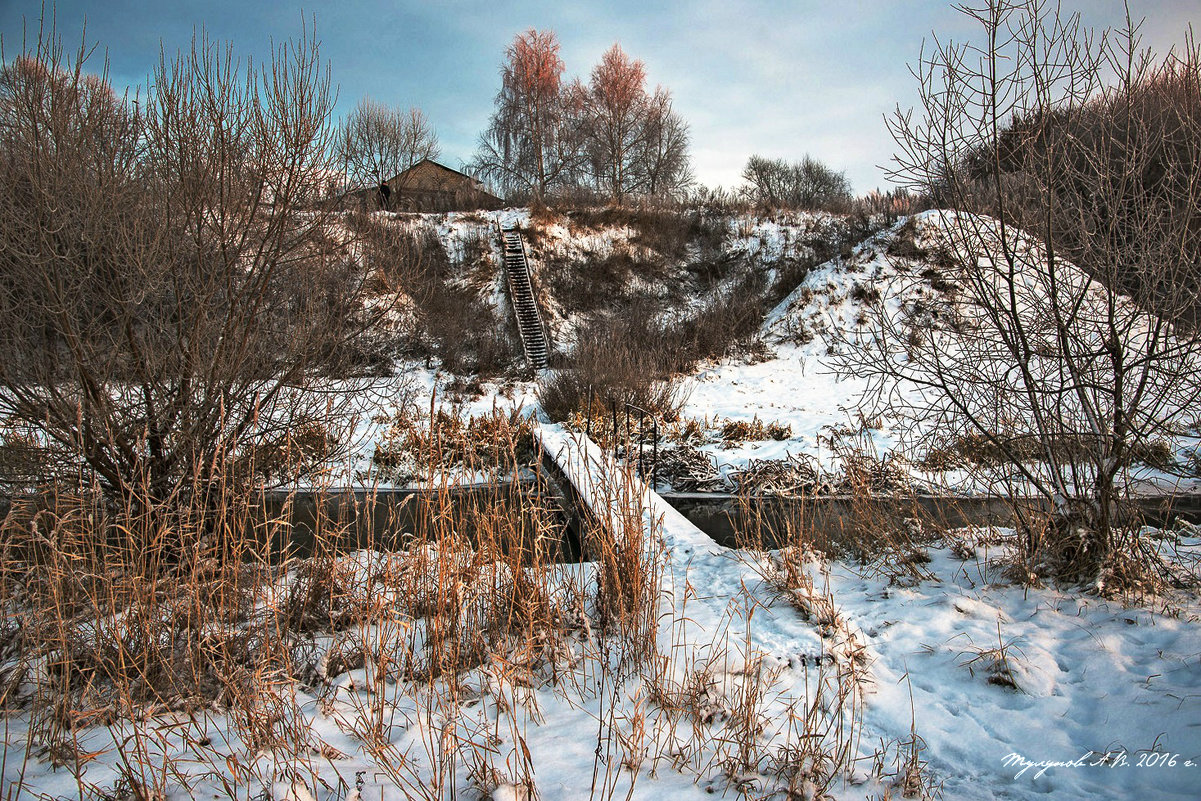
point(1092, 675)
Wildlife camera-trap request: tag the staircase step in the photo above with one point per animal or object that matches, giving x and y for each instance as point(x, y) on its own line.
point(525, 307)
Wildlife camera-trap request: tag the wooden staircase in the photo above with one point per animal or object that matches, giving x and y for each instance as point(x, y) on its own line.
point(521, 295)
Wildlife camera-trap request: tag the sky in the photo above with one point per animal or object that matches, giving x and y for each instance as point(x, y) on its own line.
point(780, 78)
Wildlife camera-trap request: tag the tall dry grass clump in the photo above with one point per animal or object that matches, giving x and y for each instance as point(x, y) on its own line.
point(629, 557)
point(233, 619)
point(615, 361)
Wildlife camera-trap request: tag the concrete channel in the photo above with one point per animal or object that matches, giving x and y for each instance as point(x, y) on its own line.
point(389, 519)
point(723, 515)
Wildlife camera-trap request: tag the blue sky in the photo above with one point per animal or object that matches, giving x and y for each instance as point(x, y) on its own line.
point(781, 78)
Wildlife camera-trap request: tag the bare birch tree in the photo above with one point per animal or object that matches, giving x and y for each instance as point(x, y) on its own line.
point(608, 135)
point(532, 143)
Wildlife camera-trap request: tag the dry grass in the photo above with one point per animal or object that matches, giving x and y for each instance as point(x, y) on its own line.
point(826, 744)
point(999, 449)
point(880, 527)
point(735, 431)
point(429, 656)
point(995, 662)
point(422, 446)
point(790, 553)
point(126, 621)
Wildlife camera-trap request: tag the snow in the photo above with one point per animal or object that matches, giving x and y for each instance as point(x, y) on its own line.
point(1091, 677)
point(805, 383)
point(799, 385)
point(927, 663)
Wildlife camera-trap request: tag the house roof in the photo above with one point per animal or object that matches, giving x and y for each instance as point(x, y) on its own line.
point(417, 179)
point(435, 164)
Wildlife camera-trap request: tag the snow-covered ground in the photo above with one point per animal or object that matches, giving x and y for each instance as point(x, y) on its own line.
point(798, 384)
point(963, 683)
point(806, 385)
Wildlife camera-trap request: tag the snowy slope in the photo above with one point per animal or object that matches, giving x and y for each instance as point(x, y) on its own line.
point(806, 385)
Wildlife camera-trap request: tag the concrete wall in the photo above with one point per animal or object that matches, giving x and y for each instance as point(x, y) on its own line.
point(723, 516)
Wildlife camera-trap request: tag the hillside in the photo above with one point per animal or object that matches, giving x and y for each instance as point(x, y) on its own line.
point(778, 302)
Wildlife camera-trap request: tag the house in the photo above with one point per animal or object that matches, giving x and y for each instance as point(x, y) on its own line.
point(430, 186)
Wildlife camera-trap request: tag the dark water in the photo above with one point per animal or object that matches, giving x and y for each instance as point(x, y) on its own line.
point(394, 519)
point(506, 515)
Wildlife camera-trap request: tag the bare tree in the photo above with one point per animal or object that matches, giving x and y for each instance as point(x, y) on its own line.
point(546, 135)
point(807, 184)
point(532, 143)
point(1049, 141)
point(664, 162)
point(167, 287)
point(378, 142)
point(616, 108)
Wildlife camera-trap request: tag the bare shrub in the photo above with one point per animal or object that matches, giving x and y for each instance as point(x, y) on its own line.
point(717, 201)
point(728, 318)
point(450, 319)
point(168, 287)
point(604, 283)
point(807, 184)
point(1063, 189)
point(468, 334)
point(614, 362)
point(666, 230)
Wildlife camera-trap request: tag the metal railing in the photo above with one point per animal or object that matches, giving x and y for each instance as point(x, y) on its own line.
point(630, 412)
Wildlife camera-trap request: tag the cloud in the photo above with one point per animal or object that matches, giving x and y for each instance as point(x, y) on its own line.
point(778, 77)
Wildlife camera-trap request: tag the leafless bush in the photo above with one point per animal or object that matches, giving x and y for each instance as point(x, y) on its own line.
point(398, 258)
point(468, 334)
point(614, 361)
point(450, 319)
point(807, 184)
point(729, 318)
point(885, 208)
point(717, 201)
point(168, 287)
point(1081, 191)
point(604, 283)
